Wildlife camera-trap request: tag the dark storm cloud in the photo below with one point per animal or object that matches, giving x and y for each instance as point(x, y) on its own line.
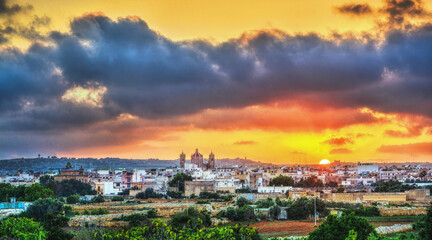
point(153, 77)
point(398, 10)
point(358, 9)
point(8, 8)
point(11, 26)
point(150, 76)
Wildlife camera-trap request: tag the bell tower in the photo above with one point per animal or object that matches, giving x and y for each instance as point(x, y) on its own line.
point(182, 160)
point(211, 161)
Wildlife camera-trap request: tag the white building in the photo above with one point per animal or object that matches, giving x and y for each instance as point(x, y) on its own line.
point(275, 189)
point(366, 168)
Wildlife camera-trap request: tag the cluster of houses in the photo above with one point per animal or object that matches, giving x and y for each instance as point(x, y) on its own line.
point(356, 179)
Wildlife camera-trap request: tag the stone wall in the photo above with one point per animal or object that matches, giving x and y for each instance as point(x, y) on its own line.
point(385, 197)
point(402, 211)
point(196, 187)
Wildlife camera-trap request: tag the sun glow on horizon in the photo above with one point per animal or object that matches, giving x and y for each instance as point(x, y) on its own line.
point(324, 162)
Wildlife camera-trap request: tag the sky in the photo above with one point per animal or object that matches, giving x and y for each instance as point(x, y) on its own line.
point(274, 81)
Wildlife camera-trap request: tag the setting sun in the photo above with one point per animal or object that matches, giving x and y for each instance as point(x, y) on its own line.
point(324, 161)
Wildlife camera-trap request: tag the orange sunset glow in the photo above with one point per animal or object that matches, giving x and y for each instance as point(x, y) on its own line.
point(277, 81)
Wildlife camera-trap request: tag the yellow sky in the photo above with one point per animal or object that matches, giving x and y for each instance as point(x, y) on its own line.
point(219, 20)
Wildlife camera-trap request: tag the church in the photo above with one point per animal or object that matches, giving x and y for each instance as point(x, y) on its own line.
point(198, 160)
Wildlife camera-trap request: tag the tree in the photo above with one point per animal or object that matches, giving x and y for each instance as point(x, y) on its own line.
point(174, 194)
point(311, 181)
point(98, 199)
point(6, 191)
point(426, 231)
point(69, 187)
point(152, 213)
point(50, 213)
point(47, 181)
point(334, 228)
point(72, 199)
point(282, 181)
point(304, 207)
point(148, 193)
point(22, 229)
point(392, 186)
point(209, 195)
point(423, 174)
point(242, 202)
point(332, 184)
point(24, 193)
point(244, 213)
point(274, 211)
point(117, 199)
point(264, 203)
point(190, 218)
point(179, 181)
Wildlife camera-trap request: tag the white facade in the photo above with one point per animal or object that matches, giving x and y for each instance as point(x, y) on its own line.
point(367, 168)
point(274, 189)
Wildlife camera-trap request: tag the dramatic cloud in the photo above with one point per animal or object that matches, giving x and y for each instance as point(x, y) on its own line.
point(411, 149)
point(398, 10)
point(411, 132)
point(338, 141)
point(355, 9)
point(7, 8)
point(103, 69)
point(11, 27)
point(340, 151)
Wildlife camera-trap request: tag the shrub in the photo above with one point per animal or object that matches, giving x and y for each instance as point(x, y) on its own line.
point(335, 228)
point(72, 199)
point(152, 213)
point(364, 212)
point(242, 202)
point(22, 229)
point(244, 190)
point(135, 220)
point(68, 211)
point(209, 195)
point(283, 203)
point(265, 203)
point(148, 193)
point(203, 202)
point(174, 194)
point(245, 213)
point(190, 218)
point(99, 211)
point(274, 211)
point(227, 198)
point(98, 199)
point(117, 199)
point(161, 230)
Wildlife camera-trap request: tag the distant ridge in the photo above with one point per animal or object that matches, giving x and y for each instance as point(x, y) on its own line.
point(11, 166)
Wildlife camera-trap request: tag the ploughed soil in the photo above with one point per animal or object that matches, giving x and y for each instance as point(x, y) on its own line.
point(302, 228)
point(284, 228)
